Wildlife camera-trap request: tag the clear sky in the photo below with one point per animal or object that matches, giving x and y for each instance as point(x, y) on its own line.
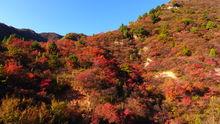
point(80, 16)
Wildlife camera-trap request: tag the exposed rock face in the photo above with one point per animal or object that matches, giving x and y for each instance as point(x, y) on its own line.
point(217, 70)
point(167, 74)
point(148, 61)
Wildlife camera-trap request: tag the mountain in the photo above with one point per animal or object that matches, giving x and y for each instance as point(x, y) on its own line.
point(6, 31)
point(163, 68)
point(51, 36)
point(27, 34)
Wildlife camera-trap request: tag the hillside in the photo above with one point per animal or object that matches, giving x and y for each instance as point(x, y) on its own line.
point(163, 68)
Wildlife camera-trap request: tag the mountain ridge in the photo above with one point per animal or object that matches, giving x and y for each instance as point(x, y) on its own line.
point(27, 34)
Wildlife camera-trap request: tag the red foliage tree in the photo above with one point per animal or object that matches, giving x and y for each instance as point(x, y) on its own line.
point(12, 67)
point(16, 42)
point(42, 60)
point(100, 61)
point(106, 112)
point(31, 75)
point(88, 53)
point(97, 77)
point(45, 83)
point(66, 46)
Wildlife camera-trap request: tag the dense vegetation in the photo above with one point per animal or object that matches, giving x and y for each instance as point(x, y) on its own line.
point(163, 68)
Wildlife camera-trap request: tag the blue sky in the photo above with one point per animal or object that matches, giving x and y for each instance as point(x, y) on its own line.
point(80, 16)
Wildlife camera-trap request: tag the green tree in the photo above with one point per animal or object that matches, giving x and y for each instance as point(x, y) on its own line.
point(125, 68)
point(163, 32)
point(187, 21)
point(70, 36)
point(125, 31)
point(210, 25)
point(73, 58)
point(194, 29)
point(53, 61)
point(35, 46)
point(186, 51)
point(52, 48)
point(140, 32)
point(155, 18)
point(213, 52)
point(8, 39)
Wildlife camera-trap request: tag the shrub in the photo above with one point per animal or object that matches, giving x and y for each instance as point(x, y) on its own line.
point(163, 29)
point(89, 78)
point(125, 31)
point(73, 58)
point(12, 67)
point(155, 10)
point(210, 25)
point(154, 14)
point(14, 51)
point(194, 29)
point(81, 42)
point(163, 32)
point(35, 115)
point(73, 36)
point(9, 111)
point(53, 61)
point(133, 56)
point(125, 68)
point(106, 113)
point(35, 46)
point(212, 113)
point(4, 40)
point(145, 15)
point(72, 61)
point(175, 4)
point(187, 21)
point(85, 64)
point(70, 36)
point(58, 112)
point(140, 32)
point(101, 61)
point(52, 48)
point(186, 51)
point(198, 120)
point(205, 15)
point(140, 17)
point(162, 36)
point(155, 18)
point(178, 29)
point(213, 52)
point(8, 39)
point(151, 12)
